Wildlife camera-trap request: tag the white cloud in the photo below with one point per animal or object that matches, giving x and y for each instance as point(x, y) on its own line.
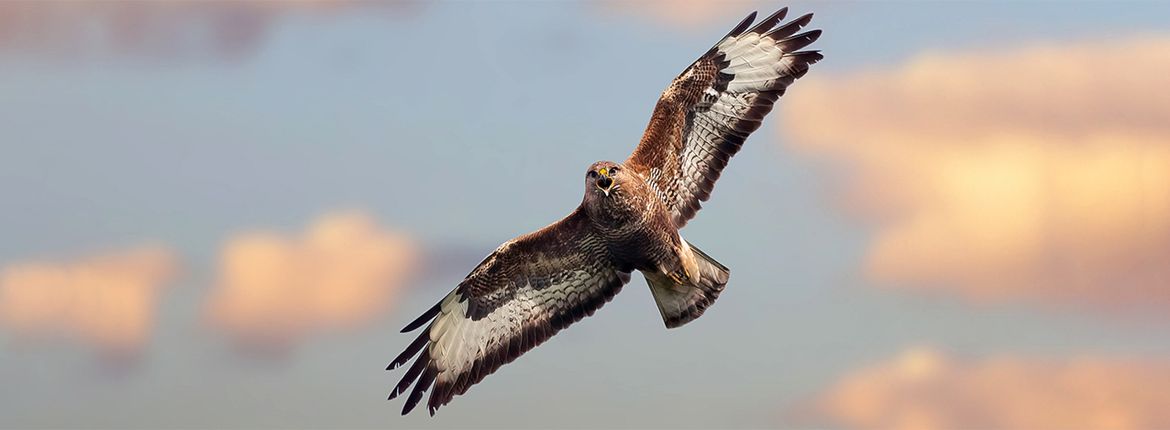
point(925, 389)
point(106, 301)
point(342, 272)
point(1039, 173)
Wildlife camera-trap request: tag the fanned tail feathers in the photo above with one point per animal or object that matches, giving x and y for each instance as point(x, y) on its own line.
point(683, 303)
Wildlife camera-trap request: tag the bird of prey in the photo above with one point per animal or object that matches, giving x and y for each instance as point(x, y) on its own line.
point(533, 286)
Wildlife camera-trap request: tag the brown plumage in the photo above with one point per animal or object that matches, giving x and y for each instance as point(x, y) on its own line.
point(537, 284)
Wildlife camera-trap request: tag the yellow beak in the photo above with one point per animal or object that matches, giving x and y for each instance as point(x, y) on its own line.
point(604, 183)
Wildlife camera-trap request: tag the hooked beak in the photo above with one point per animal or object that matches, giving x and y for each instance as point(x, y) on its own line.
point(604, 182)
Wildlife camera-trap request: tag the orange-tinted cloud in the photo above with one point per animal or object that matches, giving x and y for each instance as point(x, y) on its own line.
point(1038, 173)
point(681, 13)
point(169, 30)
point(925, 389)
point(107, 301)
point(275, 290)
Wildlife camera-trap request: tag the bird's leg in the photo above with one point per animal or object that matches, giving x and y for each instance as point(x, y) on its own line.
point(687, 258)
point(679, 265)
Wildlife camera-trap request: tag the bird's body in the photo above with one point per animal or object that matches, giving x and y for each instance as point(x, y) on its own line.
point(629, 220)
point(633, 223)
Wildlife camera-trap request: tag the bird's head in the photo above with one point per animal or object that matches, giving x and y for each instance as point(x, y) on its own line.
point(603, 178)
point(613, 193)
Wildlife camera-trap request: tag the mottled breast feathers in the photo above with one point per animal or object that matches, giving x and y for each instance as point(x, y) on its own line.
point(703, 117)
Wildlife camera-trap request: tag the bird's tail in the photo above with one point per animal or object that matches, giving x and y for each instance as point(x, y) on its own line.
point(682, 302)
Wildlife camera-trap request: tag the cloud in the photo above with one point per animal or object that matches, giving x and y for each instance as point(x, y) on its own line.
point(106, 301)
point(159, 31)
point(274, 290)
point(925, 389)
point(681, 13)
point(1037, 173)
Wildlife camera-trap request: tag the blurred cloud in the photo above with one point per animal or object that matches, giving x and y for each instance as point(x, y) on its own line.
point(926, 389)
point(107, 301)
point(274, 290)
point(1038, 173)
point(160, 31)
point(685, 14)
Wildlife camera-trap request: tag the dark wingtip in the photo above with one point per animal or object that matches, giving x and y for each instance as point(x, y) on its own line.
point(799, 41)
point(809, 57)
point(395, 392)
point(420, 386)
point(769, 22)
point(422, 319)
point(790, 28)
point(743, 25)
point(411, 350)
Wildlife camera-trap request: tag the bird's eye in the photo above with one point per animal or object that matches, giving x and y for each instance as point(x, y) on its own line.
point(591, 174)
point(613, 169)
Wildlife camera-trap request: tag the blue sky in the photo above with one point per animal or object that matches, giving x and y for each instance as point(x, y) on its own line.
point(466, 124)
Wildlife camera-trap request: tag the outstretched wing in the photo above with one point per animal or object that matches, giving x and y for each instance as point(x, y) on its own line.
point(707, 112)
point(518, 297)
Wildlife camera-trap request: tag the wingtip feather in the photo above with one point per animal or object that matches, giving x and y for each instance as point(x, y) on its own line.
point(742, 26)
point(769, 22)
point(799, 41)
point(422, 319)
point(411, 350)
point(420, 387)
point(790, 28)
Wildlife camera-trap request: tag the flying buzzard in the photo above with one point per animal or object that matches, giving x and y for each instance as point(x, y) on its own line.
point(539, 283)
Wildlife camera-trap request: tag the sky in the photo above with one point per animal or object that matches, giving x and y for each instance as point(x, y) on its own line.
point(219, 214)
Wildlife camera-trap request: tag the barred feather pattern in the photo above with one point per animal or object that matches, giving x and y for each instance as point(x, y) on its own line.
point(703, 118)
point(521, 295)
